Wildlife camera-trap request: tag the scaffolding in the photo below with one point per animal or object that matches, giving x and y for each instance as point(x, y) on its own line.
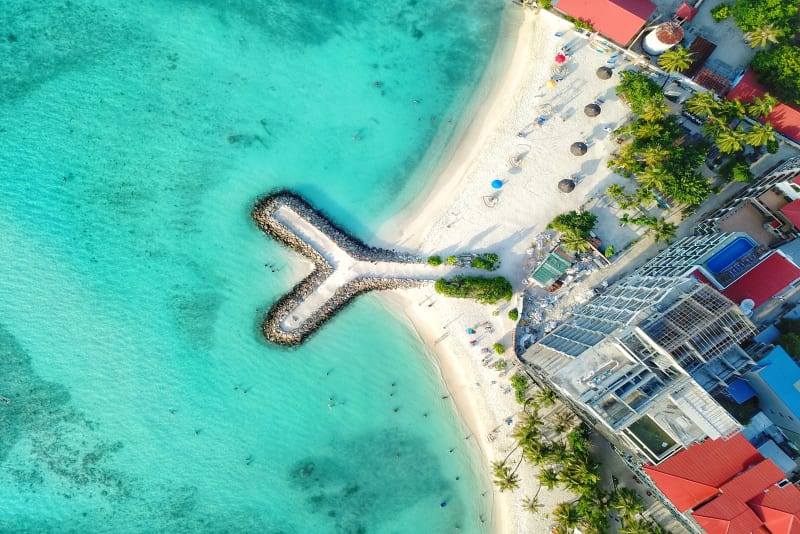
point(703, 331)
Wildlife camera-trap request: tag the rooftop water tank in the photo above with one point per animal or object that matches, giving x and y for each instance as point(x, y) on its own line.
point(662, 38)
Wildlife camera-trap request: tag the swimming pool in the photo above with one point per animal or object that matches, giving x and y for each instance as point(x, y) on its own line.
point(728, 255)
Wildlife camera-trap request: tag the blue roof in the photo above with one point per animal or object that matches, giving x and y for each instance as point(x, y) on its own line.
point(740, 391)
point(768, 335)
point(780, 372)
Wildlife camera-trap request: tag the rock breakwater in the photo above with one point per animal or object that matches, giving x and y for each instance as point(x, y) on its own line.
point(264, 215)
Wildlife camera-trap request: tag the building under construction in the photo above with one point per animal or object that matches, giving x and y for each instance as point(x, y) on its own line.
point(640, 360)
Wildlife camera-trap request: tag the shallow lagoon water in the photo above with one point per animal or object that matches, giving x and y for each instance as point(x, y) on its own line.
point(134, 140)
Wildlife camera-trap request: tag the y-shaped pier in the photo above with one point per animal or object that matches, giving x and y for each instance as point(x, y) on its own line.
point(344, 267)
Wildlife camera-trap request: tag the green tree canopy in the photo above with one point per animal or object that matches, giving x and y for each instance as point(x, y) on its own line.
point(576, 222)
point(763, 36)
point(484, 290)
point(779, 68)
point(750, 15)
point(638, 88)
point(761, 107)
point(676, 59)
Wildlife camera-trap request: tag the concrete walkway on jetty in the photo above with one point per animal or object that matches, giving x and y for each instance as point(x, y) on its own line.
point(345, 267)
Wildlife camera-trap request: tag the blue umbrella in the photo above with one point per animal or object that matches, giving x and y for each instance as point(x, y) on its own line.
point(497, 184)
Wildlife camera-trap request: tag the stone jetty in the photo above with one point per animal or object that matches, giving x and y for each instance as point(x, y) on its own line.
point(344, 267)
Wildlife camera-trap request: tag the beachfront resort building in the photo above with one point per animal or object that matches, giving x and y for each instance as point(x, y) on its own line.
point(640, 360)
point(726, 486)
point(768, 210)
point(619, 20)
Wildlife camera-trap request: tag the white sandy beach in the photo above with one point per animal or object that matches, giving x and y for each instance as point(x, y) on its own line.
point(451, 217)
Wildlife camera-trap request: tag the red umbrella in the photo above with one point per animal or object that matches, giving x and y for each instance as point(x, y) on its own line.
point(561, 58)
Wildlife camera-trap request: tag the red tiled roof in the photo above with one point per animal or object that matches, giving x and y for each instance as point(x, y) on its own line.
point(729, 512)
point(713, 81)
point(764, 281)
point(792, 212)
point(618, 20)
point(779, 508)
point(785, 118)
point(686, 12)
point(698, 275)
point(694, 475)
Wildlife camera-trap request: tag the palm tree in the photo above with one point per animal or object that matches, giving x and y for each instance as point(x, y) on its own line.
point(677, 59)
point(702, 104)
point(760, 134)
point(713, 127)
point(761, 37)
point(532, 504)
point(761, 107)
point(557, 452)
point(548, 478)
point(654, 109)
point(563, 421)
point(654, 154)
point(733, 110)
point(546, 396)
point(644, 196)
point(504, 477)
point(566, 516)
point(729, 141)
point(575, 242)
point(648, 130)
point(615, 192)
point(627, 502)
point(662, 230)
point(636, 526)
point(654, 178)
point(580, 474)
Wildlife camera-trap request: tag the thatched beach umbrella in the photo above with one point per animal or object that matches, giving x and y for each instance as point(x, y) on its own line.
point(604, 73)
point(578, 148)
point(592, 110)
point(566, 185)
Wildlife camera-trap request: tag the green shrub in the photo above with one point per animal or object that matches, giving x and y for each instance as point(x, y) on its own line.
point(740, 172)
point(520, 384)
point(488, 262)
point(721, 12)
point(580, 23)
point(451, 260)
point(501, 365)
point(484, 290)
point(513, 314)
point(773, 146)
point(499, 348)
point(434, 260)
point(609, 251)
point(546, 4)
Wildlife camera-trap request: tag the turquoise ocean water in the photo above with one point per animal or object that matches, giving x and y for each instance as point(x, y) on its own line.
point(134, 138)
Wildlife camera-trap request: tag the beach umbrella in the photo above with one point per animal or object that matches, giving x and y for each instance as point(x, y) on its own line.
point(560, 58)
point(551, 83)
point(566, 185)
point(592, 110)
point(604, 73)
point(497, 184)
point(578, 148)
